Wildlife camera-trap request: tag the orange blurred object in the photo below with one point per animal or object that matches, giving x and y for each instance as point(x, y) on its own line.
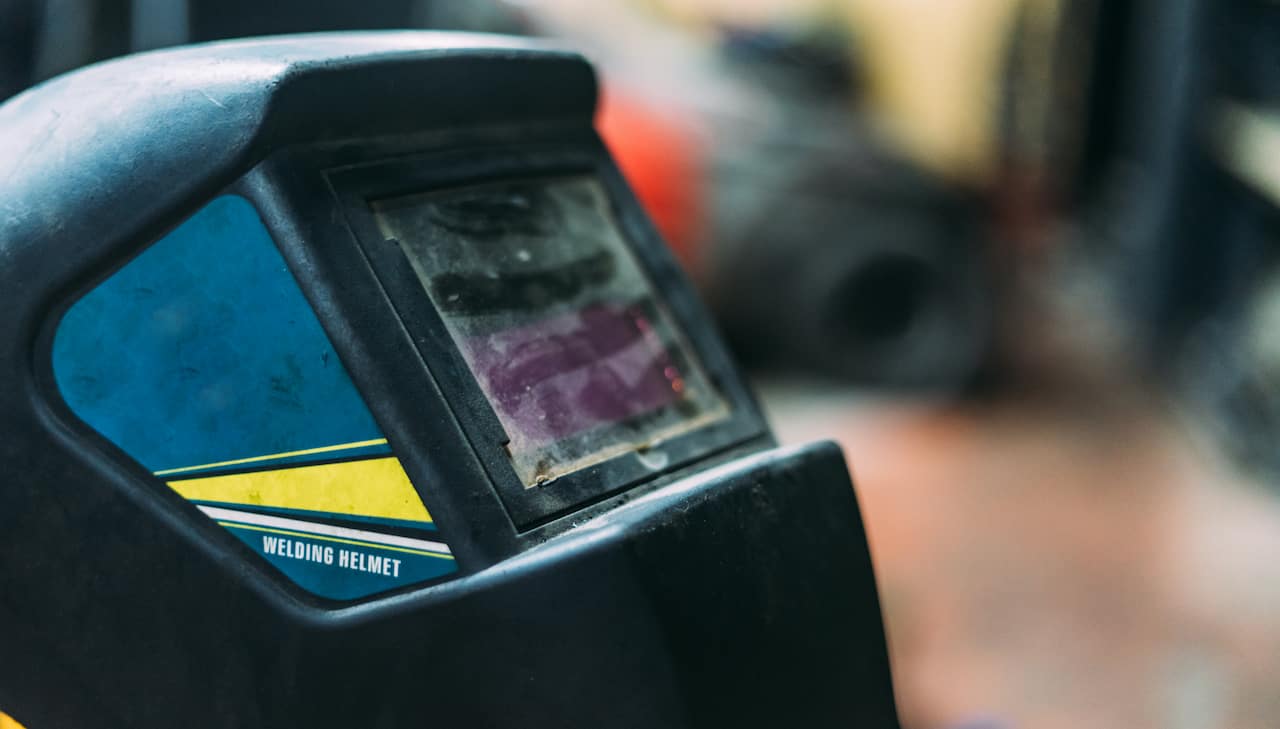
point(659, 154)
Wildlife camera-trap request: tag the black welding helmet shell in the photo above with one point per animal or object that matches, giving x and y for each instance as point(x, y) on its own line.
point(344, 383)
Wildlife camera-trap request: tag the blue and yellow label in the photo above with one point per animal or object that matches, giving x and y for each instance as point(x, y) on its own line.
point(202, 360)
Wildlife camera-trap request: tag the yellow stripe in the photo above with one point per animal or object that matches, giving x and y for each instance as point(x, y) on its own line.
point(320, 537)
point(375, 487)
point(7, 722)
point(274, 456)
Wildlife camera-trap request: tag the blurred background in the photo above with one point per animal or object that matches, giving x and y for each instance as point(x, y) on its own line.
point(1017, 256)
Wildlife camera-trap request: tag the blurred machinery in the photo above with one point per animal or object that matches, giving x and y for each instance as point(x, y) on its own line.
point(833, 253)
point(1150, 133)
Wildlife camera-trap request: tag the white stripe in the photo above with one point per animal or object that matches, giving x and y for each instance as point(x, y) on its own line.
point(325, 529)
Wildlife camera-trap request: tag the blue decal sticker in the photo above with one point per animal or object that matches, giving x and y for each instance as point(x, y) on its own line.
point(202, 360)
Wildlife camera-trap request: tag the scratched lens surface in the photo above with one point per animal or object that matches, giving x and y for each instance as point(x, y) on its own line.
point(564, 333)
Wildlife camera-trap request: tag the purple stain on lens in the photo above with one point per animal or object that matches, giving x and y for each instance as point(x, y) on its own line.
point(569, 373)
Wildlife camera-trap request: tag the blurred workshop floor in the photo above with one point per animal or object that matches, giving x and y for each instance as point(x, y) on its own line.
point(1059, 564)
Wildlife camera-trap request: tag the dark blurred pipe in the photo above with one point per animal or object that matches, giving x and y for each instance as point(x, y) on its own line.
point(864, 269)
point(829, 253)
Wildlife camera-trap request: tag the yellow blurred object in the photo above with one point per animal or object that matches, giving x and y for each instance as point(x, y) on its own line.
point(7, 722)
point(933, 69)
